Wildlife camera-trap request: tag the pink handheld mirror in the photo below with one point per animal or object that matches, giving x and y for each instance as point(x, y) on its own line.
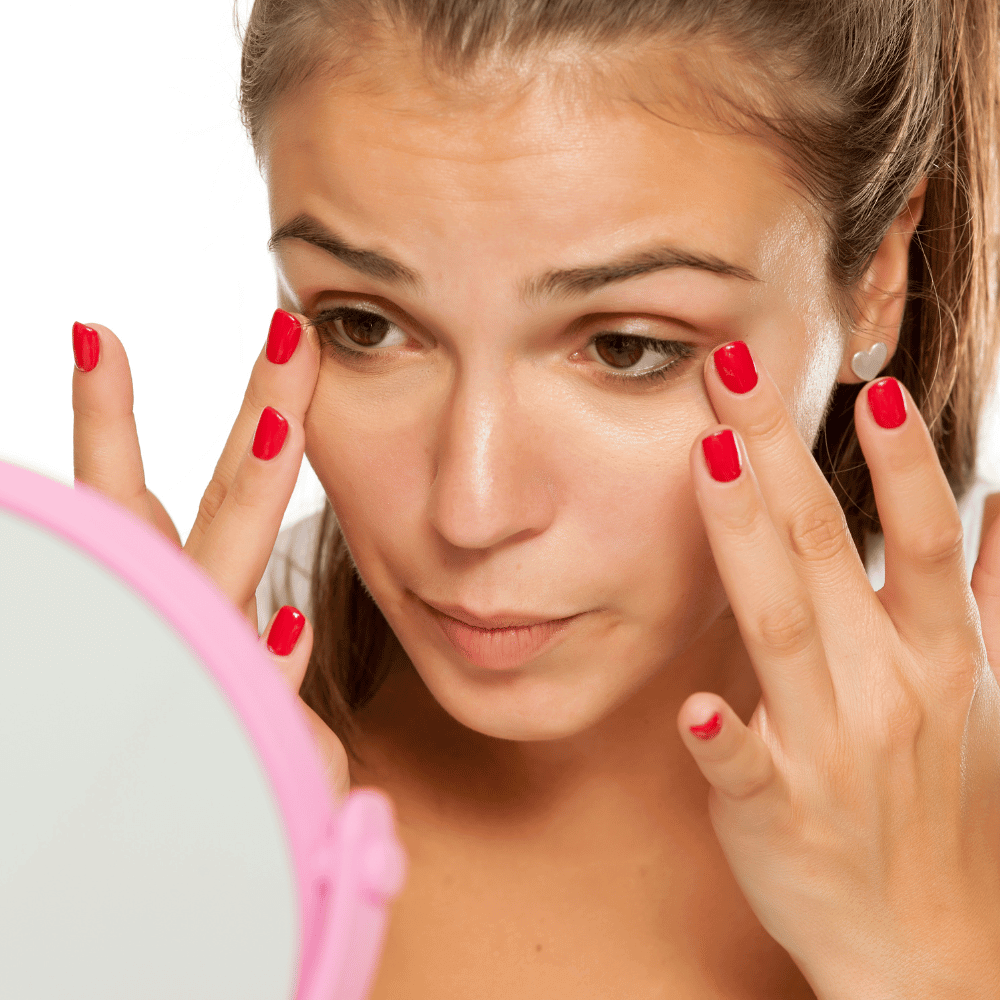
point(165, 827)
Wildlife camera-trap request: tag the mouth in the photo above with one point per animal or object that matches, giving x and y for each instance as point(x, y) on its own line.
point(501, 641)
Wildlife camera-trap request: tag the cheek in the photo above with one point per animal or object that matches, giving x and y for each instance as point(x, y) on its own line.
point(625, 531)
point(816, 379)
point(368, 453)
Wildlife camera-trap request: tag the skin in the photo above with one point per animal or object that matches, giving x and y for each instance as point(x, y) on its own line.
point(497, 458)
point(484, 462)
point(485, 459)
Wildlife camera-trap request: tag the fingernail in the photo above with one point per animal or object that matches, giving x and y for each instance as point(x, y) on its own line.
point(735, 367)
point(282, 337)
point(885, 399)
point(722, 456)
point(285, 630)
point(708, 730)
point(270, 436)
point(86, 347)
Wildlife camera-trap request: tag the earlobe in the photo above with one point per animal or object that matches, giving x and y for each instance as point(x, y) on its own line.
point(881, 297)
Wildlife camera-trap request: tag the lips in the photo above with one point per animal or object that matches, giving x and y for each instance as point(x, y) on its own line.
point(502, 641)
point(510, 619)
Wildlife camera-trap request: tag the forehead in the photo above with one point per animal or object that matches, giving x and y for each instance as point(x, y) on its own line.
point(523, 160)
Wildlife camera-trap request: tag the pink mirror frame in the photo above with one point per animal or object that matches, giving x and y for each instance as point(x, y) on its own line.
point(348, 862)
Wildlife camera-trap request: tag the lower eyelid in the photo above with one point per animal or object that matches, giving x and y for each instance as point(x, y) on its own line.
point(671, 351)
point(649, 375)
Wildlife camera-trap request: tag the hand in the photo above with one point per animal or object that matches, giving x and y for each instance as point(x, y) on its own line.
point(860, 807)
point(240, 513)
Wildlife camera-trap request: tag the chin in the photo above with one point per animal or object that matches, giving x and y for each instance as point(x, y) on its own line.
point(551, 698)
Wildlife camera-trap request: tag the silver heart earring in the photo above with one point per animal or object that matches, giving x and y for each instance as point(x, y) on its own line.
point(867, 364)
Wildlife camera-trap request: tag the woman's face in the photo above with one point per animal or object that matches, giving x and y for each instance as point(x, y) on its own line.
point(521, 292)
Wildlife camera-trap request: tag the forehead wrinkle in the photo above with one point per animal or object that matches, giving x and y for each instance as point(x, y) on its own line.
point(369, 262)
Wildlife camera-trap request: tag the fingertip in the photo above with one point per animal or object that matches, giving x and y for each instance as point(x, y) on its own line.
point(702, 717)
point(86, 347)
point(283, 336)
point(708, 729)
point(721, 455)
point(285, 630)
point(886, 402)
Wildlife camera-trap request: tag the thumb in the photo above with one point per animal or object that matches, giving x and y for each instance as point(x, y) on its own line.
point(733, 758)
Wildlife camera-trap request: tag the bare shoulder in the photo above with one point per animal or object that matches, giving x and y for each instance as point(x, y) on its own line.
point(991, 510)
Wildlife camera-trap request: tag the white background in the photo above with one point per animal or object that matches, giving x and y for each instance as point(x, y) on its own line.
point(132, 199)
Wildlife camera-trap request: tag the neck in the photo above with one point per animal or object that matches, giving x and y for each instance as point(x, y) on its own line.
point(419, 754)
point(612, 823)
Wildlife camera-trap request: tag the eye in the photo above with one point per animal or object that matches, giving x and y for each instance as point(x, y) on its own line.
point(629, 356)
point(347, 328)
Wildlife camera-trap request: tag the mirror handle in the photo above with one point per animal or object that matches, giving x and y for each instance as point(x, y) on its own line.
point(366, 867)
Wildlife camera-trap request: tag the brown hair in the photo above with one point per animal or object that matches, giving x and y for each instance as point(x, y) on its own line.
point(865, 97)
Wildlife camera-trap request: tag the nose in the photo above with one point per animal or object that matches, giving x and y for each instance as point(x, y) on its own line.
point(490, 484)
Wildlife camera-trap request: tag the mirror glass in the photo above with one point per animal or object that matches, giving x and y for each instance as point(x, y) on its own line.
point(142, 851)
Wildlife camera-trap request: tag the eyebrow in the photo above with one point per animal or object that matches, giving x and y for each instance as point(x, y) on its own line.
point(562, 282)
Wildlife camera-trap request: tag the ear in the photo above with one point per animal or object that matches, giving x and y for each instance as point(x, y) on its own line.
point(881, 293)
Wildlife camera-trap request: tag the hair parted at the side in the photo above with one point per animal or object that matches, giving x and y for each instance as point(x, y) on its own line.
point(865, 98)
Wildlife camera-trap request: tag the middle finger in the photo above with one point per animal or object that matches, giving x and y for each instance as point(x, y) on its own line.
point(767, 596)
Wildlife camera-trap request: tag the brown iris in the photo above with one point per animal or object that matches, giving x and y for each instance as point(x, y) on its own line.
point(364, 328)
point(618, 350)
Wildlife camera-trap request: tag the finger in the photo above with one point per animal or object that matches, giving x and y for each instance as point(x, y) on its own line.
point(288, 639)
point(807, 515)
point(986, 588)
point(926, 591)
point(237, 544)
point(286, 383)
point(769, 600)
point(733, 758)
point(106, 453)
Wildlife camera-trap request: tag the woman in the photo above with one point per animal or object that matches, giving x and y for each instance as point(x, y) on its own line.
point(613, 331)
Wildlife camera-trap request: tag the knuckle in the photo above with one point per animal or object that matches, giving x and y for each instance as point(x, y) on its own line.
point(819, 533)
point(252, 398)
point(939, 544)
point(742, 518)
point(743, 787)
point(767, 425)
point(211, 500)
point(897, 718)
point(786, 626)
point(243, 493)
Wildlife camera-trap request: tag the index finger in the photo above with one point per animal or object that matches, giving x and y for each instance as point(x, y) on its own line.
point(284, 377)
point(802, 506)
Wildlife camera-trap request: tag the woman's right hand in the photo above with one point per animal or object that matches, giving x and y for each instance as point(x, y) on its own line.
point(241, 510)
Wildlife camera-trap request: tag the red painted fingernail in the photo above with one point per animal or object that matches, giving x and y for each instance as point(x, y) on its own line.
point(722, 456)
point(86, 347)
point(285, 630)
point(735, 367)
point(271, 430)
point(885, 399)
point(282, 337)
point(708, 730)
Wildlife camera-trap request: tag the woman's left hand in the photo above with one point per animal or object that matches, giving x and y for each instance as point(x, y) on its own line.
point(860, 807)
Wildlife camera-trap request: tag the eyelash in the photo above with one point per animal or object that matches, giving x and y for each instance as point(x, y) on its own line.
point(677, 350)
